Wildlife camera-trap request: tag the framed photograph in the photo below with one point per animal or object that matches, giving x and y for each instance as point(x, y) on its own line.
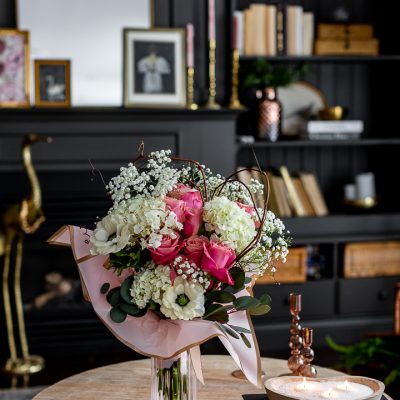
point(14, 68)
point(154, 68)
point(52, 83)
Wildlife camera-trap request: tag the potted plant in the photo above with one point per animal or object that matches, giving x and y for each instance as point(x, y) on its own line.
point(266, 78)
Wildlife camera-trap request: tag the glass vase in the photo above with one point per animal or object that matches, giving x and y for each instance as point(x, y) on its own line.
point(173, 379)
point(269, 115)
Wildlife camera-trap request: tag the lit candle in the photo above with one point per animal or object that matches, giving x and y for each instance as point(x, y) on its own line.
point(365, 185)
point(211, 19)
point(235, 32)
point(343, 386)
point(303, 385)
point(329, 394)
point(189, 45)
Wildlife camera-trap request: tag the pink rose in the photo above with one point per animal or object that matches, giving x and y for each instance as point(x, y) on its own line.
point(191, 197)
point(167, 251)
point(177, 207)
point(192, 222)
point(217, 260)
point(194, 248)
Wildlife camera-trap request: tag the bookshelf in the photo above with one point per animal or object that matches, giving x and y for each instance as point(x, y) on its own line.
point(343, 308)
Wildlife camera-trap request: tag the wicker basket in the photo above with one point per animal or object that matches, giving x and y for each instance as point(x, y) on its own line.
point(294, 270)
point(372, 259)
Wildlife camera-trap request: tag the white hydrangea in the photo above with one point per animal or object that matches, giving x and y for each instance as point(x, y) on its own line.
point(231, 224)
point(150, 284)
point(111, 235)
point(183, 300)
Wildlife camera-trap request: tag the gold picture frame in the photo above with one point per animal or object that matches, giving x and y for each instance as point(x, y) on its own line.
point(154, 63)
point(57, 91)
point(14, 94)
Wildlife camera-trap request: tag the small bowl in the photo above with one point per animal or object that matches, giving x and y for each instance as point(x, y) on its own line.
point(365, 203)
point(272, 386)
point(335, 113)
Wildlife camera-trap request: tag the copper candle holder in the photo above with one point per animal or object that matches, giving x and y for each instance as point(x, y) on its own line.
point(296, 341)
point(212, 90)
point(307, 353)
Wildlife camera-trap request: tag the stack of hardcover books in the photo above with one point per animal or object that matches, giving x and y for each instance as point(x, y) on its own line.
point(332, 130)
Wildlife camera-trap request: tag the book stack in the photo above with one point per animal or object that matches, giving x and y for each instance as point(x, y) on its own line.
point(332, 130)
point(346, 39)
point(290, 196)
point(270, 30)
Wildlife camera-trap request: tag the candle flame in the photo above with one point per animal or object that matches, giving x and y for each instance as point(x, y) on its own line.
point(346, 384)
point(304, 383)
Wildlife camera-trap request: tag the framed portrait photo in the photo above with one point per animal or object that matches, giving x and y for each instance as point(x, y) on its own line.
point(154, 68)
point(14, 68)
point(52, 83)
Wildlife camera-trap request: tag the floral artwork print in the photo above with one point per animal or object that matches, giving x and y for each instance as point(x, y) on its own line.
point(12, 69)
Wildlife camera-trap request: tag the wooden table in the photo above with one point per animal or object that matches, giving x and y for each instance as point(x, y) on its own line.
point(131, 380)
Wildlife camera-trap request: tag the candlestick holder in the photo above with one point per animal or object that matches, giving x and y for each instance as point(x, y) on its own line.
point(234, 102)
point(190, 90)
point(212, 89)
point(307, 353)
point(296, 341)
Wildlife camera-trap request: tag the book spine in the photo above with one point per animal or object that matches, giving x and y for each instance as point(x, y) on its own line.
point(294, 198)
point(280, 29)
point(240, 21)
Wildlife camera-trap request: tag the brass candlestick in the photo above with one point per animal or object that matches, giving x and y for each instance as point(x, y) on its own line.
point(307, 353)
point(295, 343)
point(234, 102)
point(190, 90)
point(212, 90)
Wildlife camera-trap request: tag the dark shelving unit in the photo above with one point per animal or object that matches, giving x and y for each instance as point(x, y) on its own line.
point(343, 308)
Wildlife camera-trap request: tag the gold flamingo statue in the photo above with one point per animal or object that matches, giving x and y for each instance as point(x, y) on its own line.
point(20, 219)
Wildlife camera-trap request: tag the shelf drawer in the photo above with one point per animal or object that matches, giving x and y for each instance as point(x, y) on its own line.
point(367, 295)
point(317, 298)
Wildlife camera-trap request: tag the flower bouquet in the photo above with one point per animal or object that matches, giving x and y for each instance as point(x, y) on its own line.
point(172, 265)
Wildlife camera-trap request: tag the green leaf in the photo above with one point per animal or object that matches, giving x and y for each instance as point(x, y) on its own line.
point(229, 331)
point(260, 310)
point(246, 303)
point(126, 289)
point(247, 280)
point(265, 299)
point(113, 296)
point(216, 308)
point(104, 288)
point(245, 340)
point(117, 315)
point(240, 329)
point(130, 309)
point(221, 317)
point(220, 296)
point(238, 276)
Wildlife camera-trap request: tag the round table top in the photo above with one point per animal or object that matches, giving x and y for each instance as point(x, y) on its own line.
point(131, 380)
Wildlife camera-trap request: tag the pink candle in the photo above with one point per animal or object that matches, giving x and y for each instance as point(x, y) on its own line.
point(189, 45)
point(235, 32)
point(211, 19)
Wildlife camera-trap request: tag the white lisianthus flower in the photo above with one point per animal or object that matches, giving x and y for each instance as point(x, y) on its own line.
point(183, 300)
point(111, 235)
point(230, 223)
point(150, 284)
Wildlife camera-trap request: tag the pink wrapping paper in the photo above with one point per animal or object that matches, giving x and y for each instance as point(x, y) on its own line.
point(149, 335)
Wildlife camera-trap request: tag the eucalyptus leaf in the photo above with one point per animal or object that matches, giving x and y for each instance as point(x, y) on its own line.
point(265, 299)
point(117, 315)
point(130, 309)
point(246, 303)
point(104, 288)
point(226, 329)
point(220, 296)
point(245, 340)
point(114, 297)
point(240, 329)
point(126, 289)
point(216, 308)
point(238, 276)
point(260, 310)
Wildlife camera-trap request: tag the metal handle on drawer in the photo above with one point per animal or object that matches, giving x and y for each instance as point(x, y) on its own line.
point(383, 295)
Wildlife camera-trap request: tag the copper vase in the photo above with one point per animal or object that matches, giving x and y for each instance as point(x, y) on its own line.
point(269, 115)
